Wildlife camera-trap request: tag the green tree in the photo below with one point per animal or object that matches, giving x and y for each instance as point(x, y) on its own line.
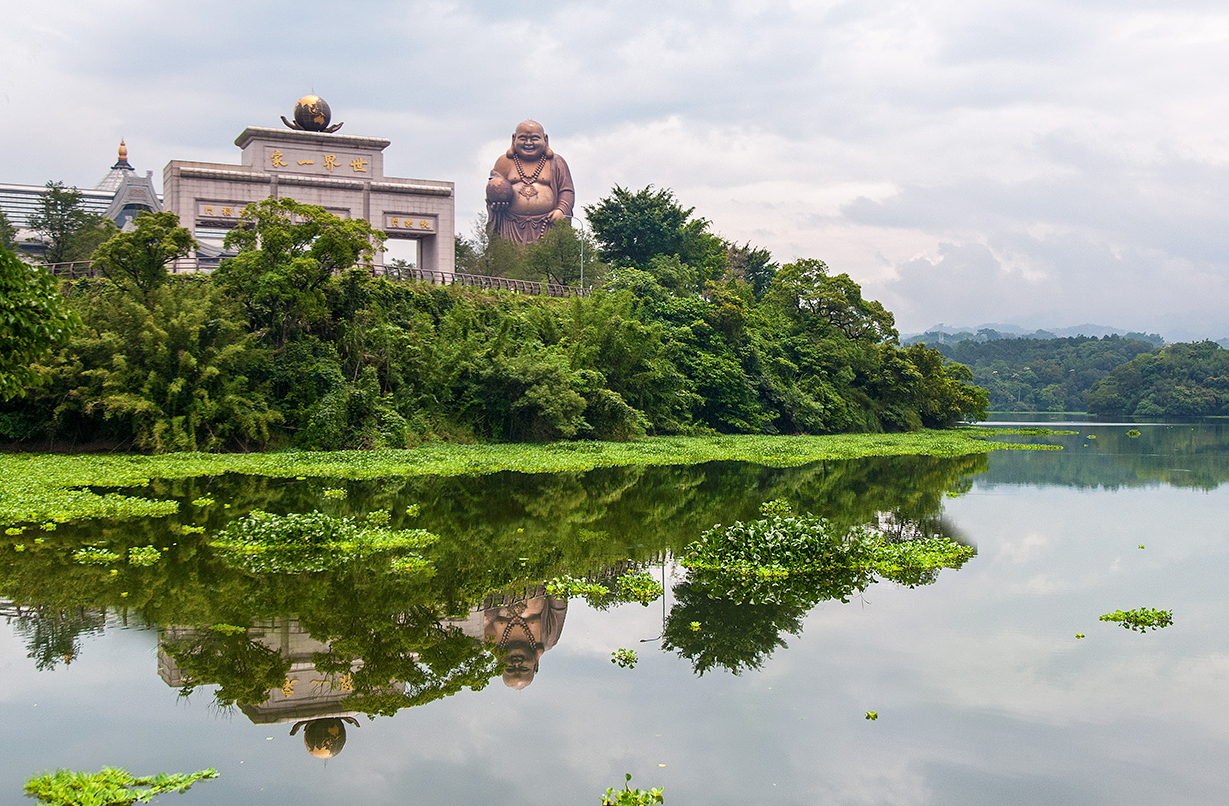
point(137, 260)
point(34, 320)
point(287, 253)
point(805, 287)
point(70, 231)
point(177, 372)
point(755, 266)
point(634, 228)
point(1178, 380)
point(557, 254)
point(8, 233)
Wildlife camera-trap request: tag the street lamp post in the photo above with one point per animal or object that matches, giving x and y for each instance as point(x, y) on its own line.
point(581, 226)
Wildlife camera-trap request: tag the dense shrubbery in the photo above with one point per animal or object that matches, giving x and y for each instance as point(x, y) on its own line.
point(1179, 380)
point(279, 348)
point(1032, 374)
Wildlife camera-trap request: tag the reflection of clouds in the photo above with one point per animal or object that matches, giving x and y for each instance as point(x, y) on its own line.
point(1042, 585)
point(1014, 652)
point(1027, 548)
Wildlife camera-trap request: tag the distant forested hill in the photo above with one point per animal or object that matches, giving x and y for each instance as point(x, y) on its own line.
point(1027, 374)
point(1179, 380)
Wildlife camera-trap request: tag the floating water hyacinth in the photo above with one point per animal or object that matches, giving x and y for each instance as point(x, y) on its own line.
point(60, 487)
point(265, 543)
point(1141, 619)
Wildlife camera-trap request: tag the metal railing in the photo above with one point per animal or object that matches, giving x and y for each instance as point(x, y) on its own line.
point(73, 269)
point(479, 281)
point(85, 268)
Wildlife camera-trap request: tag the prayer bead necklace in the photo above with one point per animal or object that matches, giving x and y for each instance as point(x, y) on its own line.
point(527, 189)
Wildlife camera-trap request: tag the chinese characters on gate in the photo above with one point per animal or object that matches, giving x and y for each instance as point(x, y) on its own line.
point(330, 162)
point(407, 222)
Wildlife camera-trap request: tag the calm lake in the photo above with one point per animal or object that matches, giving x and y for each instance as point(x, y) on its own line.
point(984, 692)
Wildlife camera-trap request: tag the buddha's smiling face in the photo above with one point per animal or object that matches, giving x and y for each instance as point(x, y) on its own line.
point(529, 141)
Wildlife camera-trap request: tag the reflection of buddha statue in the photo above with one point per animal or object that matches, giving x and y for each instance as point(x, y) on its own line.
point(522, 632)
point(325, 737)
point(530, 187)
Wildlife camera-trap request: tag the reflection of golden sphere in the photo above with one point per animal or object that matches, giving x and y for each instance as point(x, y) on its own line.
point(312, 113)
point(325, 737)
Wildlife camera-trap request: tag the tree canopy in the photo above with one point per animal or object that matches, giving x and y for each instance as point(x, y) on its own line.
point(1043, 374)
point(137, 260)
point(293, 341)
point(1178, 380)
point(633, 230)
point(287, 253)
point(69, 230)
point(34, 320)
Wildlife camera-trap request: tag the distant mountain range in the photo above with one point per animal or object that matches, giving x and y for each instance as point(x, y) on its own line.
point(948, 334)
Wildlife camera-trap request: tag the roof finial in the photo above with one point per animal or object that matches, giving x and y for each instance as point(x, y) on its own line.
point(122, 162)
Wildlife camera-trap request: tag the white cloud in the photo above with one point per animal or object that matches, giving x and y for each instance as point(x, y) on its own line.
point(1050, 162)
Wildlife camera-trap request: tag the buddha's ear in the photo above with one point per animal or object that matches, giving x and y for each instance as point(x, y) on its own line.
point(511, 153)
point(549, 152)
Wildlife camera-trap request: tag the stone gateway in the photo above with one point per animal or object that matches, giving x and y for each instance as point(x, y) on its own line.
point(343, 173)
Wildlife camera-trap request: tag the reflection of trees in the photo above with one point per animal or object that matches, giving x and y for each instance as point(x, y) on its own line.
point(244, 670)
point(741, 619)
point(383, 631)
point(398, 663)
point(1191, 456)
point(737, 620)
point(501, 532)
point(52, 633)
point(715, 630)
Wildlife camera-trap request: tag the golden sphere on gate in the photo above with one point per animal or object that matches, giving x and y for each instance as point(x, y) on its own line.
point(312, 113)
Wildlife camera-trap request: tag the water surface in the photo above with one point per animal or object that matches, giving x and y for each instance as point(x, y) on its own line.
point(984, 693)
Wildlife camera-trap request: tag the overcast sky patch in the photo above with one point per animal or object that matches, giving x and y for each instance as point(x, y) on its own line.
point(965, 162)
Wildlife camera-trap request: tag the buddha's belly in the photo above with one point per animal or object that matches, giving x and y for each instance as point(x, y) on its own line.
point(535, 200)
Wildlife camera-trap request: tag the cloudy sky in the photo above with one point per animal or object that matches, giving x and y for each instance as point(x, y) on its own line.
point(1040, 163)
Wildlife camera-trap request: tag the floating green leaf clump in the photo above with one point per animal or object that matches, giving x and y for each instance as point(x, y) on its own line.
point(631, 797)
point(265, 543)
point(624, 658)
point(781, 544)
point(568, 587)
point(1141, 619)
point(92, 555)
point(108, 787)
point(639, 587)
point(56, 487)
point(1133, 433)
point(143, 555)
point(636, 586)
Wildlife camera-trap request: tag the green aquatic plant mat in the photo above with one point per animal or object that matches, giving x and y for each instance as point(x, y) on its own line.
point(108, 787)
point(782, 544)
point(262, 543)
point(631, 797)
point(37, 488)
